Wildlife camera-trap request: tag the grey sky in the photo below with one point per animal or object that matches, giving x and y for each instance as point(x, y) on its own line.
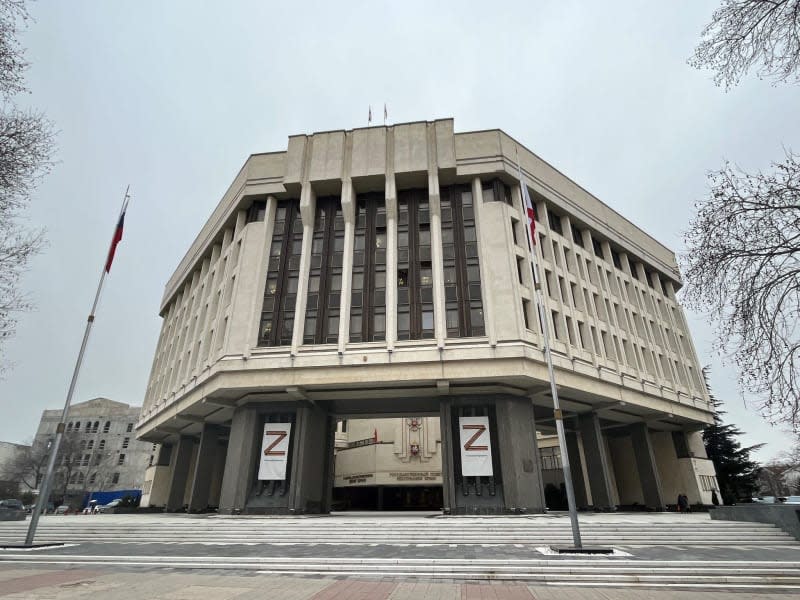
point(171, 97)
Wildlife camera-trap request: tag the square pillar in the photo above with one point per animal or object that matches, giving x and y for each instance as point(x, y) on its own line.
point(308, 487)
point(447, 449)
point(519, 455)
point(646, 466)
point(204, 468)
point(597, 465)
point(576, 466)
point(240, 460)
point(182, 456)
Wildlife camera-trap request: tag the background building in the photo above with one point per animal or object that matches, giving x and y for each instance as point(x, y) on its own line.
point(99, 451)
point(383, 272)
point(10, 486)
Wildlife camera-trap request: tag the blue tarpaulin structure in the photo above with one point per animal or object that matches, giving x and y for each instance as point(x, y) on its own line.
point(106, 497)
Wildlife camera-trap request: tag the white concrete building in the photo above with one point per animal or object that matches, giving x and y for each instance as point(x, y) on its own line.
point(383, 272)
point(100, 452)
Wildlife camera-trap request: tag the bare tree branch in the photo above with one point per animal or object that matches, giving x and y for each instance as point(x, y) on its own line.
point(743, 266)
point(747, 34)
point(26, 149)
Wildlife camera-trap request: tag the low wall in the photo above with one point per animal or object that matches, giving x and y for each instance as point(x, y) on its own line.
point(13, 515)
point(785, 516)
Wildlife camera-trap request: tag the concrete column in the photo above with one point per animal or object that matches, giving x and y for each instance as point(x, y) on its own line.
point(308, 209)
point(349, 214)
point(597, 461)
point(240, 462)
point(646, 465)
point(308, 491)
point(204, 468)
point(182, 456)
point(482, 229)
point(391, 260)
point(576, 466)
point(437, 260)
point(519, 455)
point(447, 449)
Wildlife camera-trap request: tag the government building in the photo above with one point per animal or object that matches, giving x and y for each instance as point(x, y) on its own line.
point(384, 273)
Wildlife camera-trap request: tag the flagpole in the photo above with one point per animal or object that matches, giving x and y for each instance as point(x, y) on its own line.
point(559, 417)
point(44, 490)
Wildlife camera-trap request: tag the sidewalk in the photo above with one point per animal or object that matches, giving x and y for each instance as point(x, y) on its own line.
point(57, 584)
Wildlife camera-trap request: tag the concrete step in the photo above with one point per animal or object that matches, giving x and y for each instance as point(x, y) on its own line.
point(602, 571)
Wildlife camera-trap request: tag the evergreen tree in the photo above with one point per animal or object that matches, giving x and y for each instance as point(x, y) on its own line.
point(736, 471)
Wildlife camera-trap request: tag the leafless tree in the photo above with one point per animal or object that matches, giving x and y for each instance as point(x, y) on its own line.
point(747, 34)
point(743, 266)
point(26, 150)
point(28, 466)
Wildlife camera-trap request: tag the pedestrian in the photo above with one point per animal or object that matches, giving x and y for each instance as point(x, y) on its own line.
point(683, 502)
point(714, 498)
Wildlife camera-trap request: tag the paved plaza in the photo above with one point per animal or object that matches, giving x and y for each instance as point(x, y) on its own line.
point(657, 555)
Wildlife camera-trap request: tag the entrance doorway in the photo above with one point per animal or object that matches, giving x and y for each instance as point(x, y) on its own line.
point(388, 464)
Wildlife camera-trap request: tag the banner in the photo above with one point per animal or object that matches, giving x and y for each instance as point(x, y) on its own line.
point(476, 447)
point(274, 451)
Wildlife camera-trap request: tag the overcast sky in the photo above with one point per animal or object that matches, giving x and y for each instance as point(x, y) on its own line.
point(172, 97)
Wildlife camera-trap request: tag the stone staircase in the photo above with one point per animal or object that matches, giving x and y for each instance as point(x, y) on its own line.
point(458, 548)
point(617, 530)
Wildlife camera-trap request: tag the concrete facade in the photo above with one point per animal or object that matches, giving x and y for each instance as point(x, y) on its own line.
point(101, 451)
point(624, 359)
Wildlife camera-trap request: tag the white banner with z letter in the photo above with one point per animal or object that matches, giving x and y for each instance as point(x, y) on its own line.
point(476, 446)
point(274, 451)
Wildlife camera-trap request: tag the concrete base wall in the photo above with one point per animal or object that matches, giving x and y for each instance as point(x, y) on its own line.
point(785, 516)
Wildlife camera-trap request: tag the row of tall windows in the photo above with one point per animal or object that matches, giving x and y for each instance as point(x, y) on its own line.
point(92, 427)
point(283, 272)
point(368, 295)
point(414, 266)
point(462, 275)
point(415, 312)
point(325, 275)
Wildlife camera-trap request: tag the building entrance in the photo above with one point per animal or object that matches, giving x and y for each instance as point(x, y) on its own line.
point(391, 464)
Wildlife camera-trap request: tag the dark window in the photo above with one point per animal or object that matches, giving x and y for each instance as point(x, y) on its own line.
point(495, 191)
point(598, 248)
point(283, 271)
point(96, 426)
point(615, 258)
point(129, 428)
point(462, 278)
point(555, 222)
point(121, 459)
point(101, 445)
point(576, 236)
point(107, 426)
point(257, 211)
point(415, 298)
point(368, 293)
point(325, 276)
point(115, 478)
point(126, 442)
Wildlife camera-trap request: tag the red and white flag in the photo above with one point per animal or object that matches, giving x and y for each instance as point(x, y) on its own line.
point(117, 238)
point(528, 206)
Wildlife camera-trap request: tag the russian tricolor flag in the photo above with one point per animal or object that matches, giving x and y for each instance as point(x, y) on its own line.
point(117, 238)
